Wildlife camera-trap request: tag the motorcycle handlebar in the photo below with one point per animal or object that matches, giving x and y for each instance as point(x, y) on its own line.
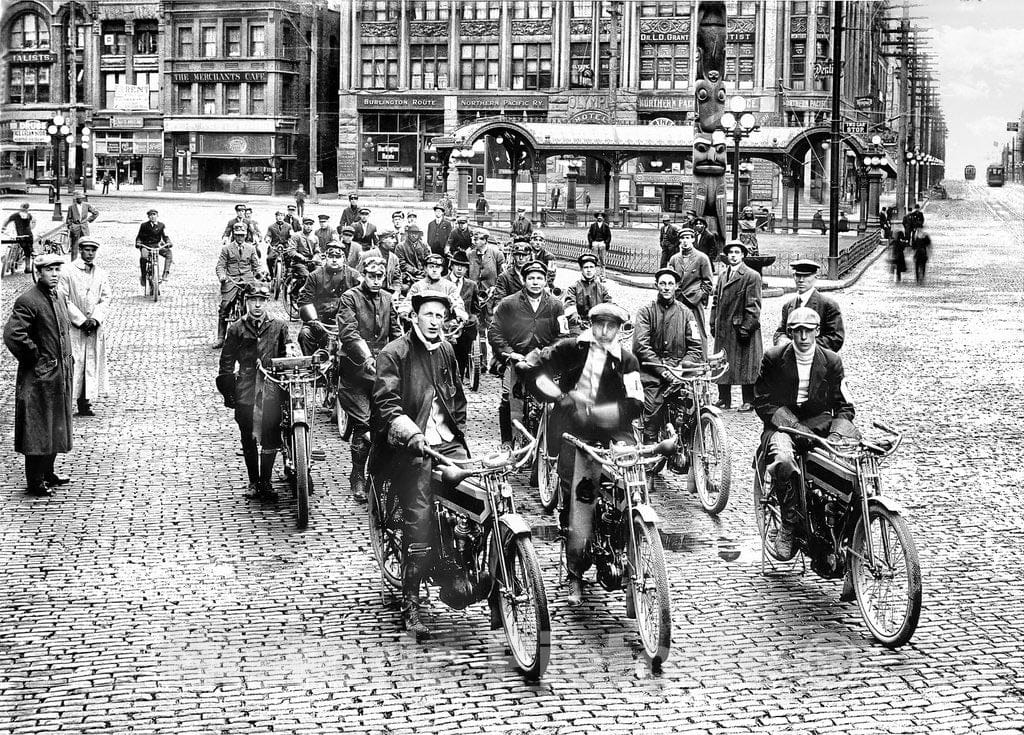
point(645, 451)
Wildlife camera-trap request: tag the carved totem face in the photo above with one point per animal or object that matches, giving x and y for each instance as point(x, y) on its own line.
point(710, 104)
point(708, 156)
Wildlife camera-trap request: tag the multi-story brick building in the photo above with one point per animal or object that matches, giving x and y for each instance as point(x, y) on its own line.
point(412, 69)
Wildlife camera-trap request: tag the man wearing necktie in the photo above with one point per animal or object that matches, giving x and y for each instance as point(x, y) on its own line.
point(238, 264)
point(831, 333)
point(80, 214)
point(736, 325)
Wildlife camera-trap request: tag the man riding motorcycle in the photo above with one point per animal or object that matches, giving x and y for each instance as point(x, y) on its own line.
point(418, 402)
point(433, 281)
point(524, 321)
point(596, 384)
point(510, 280)
point(318, 300)
point(366, 321)
point(277, 240)
point(587, 292)
point(667, 333)
point(238, 263)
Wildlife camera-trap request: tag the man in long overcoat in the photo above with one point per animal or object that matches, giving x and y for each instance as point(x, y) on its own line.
point(86, 288)
point(37, 334)
point(736, 325)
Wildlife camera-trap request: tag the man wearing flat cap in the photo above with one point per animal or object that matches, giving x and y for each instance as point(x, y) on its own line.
point(292, 218)
point(86, 287)
point(461, 238)
point(412, 255)
point(319, 299)
point(38, 335)
point(385, 251)
point(831, 333)
point(325, 234)
point(587, 292)
point(276, 240)
point(250, 231)
point(599, 238)
point(365, 231)
point(438, 231)
point(237, 264)
point(800, 385)
point(350, 215)
point(433, 281)
point(418, 402)
point(153, 234)
point(694, 271)
point(80, 215)
point(398, 222)
point(736, 325)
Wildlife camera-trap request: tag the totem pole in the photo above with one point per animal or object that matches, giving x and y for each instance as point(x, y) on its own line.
point(709, 147)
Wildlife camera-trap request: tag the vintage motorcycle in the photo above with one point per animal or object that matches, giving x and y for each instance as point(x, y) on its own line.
point(703, 450)
point(485, 549)
point(625, 546)
point(848, 526)
point(297, 377)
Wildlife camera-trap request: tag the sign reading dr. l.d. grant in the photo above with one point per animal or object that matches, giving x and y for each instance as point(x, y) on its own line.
point(184, 77)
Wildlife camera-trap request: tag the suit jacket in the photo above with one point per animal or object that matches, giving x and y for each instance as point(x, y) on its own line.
point(323, 289)
point(485, 266)
point(599, 233)
point(365, 234)
point(518, 328)
point(668, 238)
point(826, 409)
point(79, 216)
point(831, 333)
point(522, 225)
point(392, 267)
point(236, 263)
point(438, 234)
point(243, 345)
point(251, 235)
point(509, 281)
point(581, 297)
point(459, 240)
point(666, 333)
point(469, 293)
point(152, 233)
point(349, 216)
point(707, 244)
point(278, 234)
point(736, 323)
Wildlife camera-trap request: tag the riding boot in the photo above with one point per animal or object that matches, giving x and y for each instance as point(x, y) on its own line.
point(412, 576)
point(142, 272)
point(505, 421)
point(252, 467)
point(167, 271)
point(563, 509)
point(357, 478)
point(222, 328)
point(849, 593)
point(265, 488)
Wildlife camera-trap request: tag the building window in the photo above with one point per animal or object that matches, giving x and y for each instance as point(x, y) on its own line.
point(822, 8)
point(28, 84)
point(739, 64)
point(150, 80)
point(81, 28)
point(232, 99)
point(29, 31)
point(145, 37)
point(665, 9)
point(257, 99)
point(183, 99)
point(664, 66)
point(233, 41)
point(114, 38)
point(797, 63)
point(430, 10)
point(380, 10)
point(208, 95)
point(581, 74)
point(531, 65)
point(604, 65)
point(479, 69)
point(481, 10)
point(186, 43)
point(746, 7)
point(532, 9)
point(429, 66)
point(380, 67)
point(208, 42)
point(110, 82)
point(798, 8)
point(257, 40)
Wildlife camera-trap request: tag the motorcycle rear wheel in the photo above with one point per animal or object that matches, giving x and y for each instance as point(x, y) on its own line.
point(711, 465)
point(648, 586)
point(889, 596)
point(767, 513)
point(385, 526)
point(523, 604)
point(300, 456)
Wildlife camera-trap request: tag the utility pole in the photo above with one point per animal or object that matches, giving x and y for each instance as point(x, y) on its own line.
point(73, 98)
point(901, 136)
point(833, 198)
point(314, 107)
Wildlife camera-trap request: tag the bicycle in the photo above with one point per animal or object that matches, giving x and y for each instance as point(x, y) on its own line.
point(297, 376)
point(13, 257)
point(153, 273)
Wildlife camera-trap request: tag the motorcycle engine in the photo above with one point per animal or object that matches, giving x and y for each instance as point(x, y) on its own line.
point(609, 575)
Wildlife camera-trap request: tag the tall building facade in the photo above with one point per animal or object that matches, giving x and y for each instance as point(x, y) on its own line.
point(412, 69)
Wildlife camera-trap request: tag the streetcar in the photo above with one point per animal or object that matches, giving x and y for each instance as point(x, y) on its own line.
point(969, 173)
point(995, 175)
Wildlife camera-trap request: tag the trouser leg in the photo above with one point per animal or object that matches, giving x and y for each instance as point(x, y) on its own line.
point(505, 420)
point(581, 524)
point(360, 453)
point(747, 391)
point(35, 470)
point(244, 419)
point(783, 468)
point(309, 342)
point(143, 270)
point(725, 394)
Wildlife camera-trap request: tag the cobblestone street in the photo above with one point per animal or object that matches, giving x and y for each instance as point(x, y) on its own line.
point(150, 597)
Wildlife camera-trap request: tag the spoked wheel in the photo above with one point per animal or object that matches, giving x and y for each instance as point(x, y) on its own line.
point(888, 585)
point(278, 278)
point(547, 475)
point(523, 604)
point(385, 525)
point(291, 297)
point(154, 279)
point(712, 464)
point(300, 459)
point(767, 512)
point(648, 586)
point(473, 368)
point(342, 417)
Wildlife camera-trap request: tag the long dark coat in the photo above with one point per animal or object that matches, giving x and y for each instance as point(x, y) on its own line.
point(38, 335)
point(518, 328)
point(831, 333)
point(737, 306)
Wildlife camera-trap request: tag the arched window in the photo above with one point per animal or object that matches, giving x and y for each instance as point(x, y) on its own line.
point(28, 31)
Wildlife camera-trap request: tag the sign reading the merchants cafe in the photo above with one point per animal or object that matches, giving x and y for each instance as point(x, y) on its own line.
point(184, 77)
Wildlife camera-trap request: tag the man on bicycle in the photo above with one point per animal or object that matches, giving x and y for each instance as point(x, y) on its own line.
point(238, 264)
point(433, 281)
point(251, 235)
point(319, 299)
point(256, 336)
point(587, 292)
point(596, 384)
point(510, 281)
point(303, 254)
point(666, 333)
point(470, 298)
point(24, 223)
point(524, 321)
point(800, 386)
point(153, 234)
point(418, 402)
point(277, 240)
point(538, 248)
point(366, 321)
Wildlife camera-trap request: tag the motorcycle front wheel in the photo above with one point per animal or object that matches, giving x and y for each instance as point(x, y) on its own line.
point(888, 586)
point(711, 464)
point(384, 518)
point(300, 457)
point(648, 585)
point(523, 604)
point(154, 278)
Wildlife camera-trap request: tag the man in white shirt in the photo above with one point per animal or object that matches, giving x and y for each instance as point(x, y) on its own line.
point(831, 333)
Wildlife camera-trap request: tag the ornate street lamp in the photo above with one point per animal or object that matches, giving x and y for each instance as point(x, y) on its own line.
point(59, 132)
point(737, 124)
point(875, 161)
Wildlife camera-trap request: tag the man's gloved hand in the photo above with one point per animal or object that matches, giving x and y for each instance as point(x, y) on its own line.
point(417, 446)
point(317, 328)
point(566, 402)
point(370, 365)
point(90, 325)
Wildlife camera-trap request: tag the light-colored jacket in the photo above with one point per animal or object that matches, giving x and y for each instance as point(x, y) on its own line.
point(88, 293)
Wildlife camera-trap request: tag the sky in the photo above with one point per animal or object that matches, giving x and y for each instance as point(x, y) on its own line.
point(978, 48)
